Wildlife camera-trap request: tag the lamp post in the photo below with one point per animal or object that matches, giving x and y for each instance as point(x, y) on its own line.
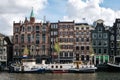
point(32, 52)
point(37, 49)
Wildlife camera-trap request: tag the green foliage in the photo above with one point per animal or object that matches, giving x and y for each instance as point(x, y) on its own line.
point(57, 47)
point(91, 51)
point(26, 51)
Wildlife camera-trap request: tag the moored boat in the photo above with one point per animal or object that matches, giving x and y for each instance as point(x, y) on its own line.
point(27, 65)
point(75, 67)
point(113, 67)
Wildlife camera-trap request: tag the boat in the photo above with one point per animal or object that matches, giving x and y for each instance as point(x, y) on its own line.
point(27, 66)
point(113, 67)
point(83, 68)
point(75, 67)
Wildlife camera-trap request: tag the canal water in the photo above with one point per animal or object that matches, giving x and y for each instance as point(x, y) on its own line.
point(65, 76)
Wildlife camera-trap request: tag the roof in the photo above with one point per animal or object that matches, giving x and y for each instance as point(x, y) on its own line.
point(32, 13)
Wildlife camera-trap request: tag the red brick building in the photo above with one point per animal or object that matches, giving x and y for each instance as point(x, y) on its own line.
point(34, 36)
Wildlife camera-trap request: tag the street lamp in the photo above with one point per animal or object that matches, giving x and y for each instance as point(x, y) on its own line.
point(37, 49)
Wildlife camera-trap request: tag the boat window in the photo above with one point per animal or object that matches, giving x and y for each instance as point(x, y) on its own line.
point(56, 66)
point(52, 66)
point(60, 66)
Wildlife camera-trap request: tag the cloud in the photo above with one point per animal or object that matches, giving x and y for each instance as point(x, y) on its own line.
point(16, 10)
point(91, 11)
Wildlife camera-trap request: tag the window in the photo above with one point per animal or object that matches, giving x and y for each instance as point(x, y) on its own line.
point(99, 43)
point(71, 54)
point(77, 39)
point(29, 28)
point(77, 33)
point(95, 50)
point(87, 48)
point(43, 28)
point(52, 33)
point(56, 66)
point(87, 57)
point(43, 47)
point(112, 44)
point(105, 35)
point(87, 27)
point(99, 51)
point(77, 28)
point(118, 37)
point(52, 66)
point(37, 28)
point(37, 38)
point(100, 35)
point(82, 39)
point(23, 29)
point(82, 28)
point(87, 39)
point(16, 38)
point(105, 50)
point(82, 33)
point(61, 54)
point(112, 52)
point(66, 54)
point(87, 33)
point(22, 38)
point(99, 29)
point(94, 36)
point(29, 38)
point(82, 47)
point(16, 29)
point(43, 38)
point(82, 57)
point(105, 43)
point(112, 37)
point(77, 47)
point(94, 43)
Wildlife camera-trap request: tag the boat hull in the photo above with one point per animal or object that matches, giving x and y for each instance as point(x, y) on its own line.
point(57, 71)
point(12, 70)
point(113, 67)
point(38, 71)
point(82, 71)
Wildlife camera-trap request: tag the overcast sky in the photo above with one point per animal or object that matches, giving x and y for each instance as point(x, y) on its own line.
point(54, 10)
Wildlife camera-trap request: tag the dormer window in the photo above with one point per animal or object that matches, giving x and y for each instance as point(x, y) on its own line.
point(99, 29)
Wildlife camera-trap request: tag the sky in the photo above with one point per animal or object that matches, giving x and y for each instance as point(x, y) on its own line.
point(64, 10)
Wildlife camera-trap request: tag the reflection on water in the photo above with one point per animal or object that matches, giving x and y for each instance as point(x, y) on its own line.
point(65, 76)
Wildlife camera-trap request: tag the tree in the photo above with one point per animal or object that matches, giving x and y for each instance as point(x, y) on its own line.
point(57, 48)
point(25, 52)
point(91, 52)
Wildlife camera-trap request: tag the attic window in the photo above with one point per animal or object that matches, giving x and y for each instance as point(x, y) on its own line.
point(99, 29)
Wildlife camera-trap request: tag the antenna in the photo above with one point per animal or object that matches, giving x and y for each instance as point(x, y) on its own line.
point(44, 19)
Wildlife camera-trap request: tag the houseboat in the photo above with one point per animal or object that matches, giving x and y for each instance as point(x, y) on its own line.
point(75, 67)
